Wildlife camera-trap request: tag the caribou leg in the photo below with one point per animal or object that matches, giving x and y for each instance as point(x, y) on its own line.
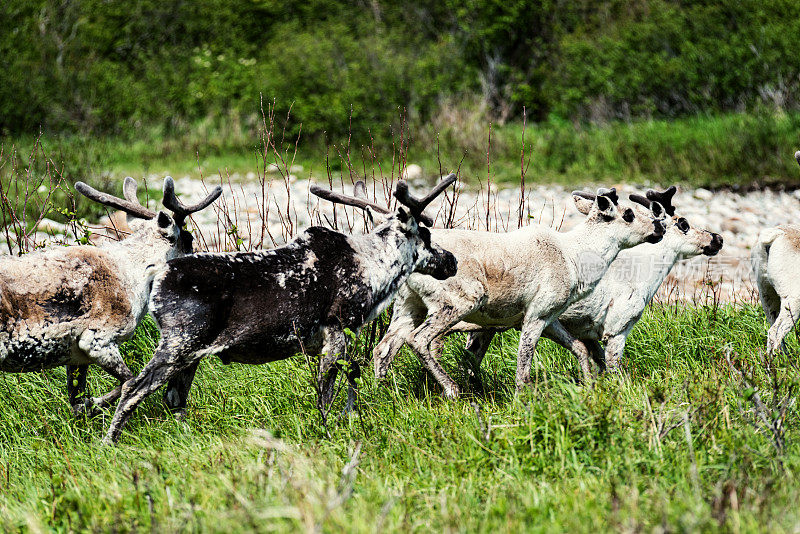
point(790, 311)
point(105, 354)
point(407, 314)
point(164, 365)
point(76, 388)
point(532, 328)
point(176, 394)
point(559, 334)
point(475, 350)
point(334, 348)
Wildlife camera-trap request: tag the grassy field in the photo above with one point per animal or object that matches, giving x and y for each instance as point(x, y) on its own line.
point(732, 150)
point(673, 444)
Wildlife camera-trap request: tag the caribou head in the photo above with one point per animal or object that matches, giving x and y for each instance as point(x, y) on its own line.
point(680, 235)
point(407, 221)
point(629, 226)
point(170, 227)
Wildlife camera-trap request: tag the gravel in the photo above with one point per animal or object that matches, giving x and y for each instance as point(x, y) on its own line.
point(235, 221)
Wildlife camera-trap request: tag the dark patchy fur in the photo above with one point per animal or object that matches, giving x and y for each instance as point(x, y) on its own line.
point(258, 307)
point(246, 290)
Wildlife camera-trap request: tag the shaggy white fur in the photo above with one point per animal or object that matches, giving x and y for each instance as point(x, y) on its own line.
point(522, 279)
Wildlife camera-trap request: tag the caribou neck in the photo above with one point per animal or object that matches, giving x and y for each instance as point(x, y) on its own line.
point(603, 246)
point(653, 261)
point(387, 257)
point(139, 258)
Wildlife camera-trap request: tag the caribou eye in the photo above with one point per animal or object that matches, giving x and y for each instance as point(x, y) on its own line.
point(628, 216)
point(683, 225)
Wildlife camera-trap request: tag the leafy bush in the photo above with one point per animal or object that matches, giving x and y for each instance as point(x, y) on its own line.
point(111, 67)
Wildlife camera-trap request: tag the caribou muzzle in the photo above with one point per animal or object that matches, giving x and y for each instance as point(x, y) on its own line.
point(715, 246)
point(443, 265)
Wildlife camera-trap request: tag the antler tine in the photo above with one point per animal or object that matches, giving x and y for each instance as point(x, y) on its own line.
point(131, 208)
point(446, 182)
point(417, 206)
point(338, 198)
point(181, 210)
point(639, 199)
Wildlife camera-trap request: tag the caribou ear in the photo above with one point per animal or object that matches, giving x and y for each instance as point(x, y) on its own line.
point(164, 220)
point(583, 201)
point(605, 205)
point(402, 215)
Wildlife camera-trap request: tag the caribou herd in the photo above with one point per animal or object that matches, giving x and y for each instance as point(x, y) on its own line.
point(72, 306)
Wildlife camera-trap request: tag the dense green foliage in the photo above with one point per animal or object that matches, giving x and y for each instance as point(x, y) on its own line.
point(671, 445)
point(113, 66)
point(734, 150)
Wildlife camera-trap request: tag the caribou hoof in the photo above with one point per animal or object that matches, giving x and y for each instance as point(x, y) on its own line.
point(89, 407)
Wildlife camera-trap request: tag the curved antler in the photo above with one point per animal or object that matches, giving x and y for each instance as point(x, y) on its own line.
point(639, 199)
point(338, 198)
point(664, 198)
point(584, 194)
point(130, 206)
point(180, 210)
point(417, 206)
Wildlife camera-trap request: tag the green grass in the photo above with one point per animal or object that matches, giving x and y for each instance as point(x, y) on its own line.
point(559, 457)
point(737, 150)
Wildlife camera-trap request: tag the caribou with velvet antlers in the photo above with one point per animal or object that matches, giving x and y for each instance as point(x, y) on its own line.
point(608, 314)
point(262, 306)
point(523, 279)
point(72, 305)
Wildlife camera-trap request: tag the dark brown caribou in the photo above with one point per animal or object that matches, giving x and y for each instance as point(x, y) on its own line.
point(263, 306)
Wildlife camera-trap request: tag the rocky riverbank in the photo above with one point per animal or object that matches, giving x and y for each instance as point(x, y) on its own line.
point(252, 215)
